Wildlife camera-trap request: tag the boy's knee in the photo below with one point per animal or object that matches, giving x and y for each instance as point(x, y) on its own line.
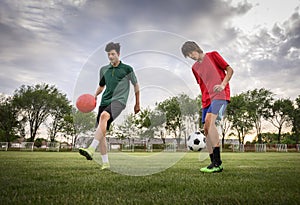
point(104, 116)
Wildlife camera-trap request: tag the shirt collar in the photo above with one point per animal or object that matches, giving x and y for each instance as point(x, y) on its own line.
point(111, 66)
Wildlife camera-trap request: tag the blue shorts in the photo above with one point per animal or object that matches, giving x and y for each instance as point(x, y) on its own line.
point(217, 107)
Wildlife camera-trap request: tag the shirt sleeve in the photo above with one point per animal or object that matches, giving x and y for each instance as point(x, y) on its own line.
point(219, 60)
point(196, 75)
point(131, 76)
point(102, 79)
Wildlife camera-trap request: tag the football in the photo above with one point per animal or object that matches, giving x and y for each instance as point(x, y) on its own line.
point(86, 103)
point(196, 142)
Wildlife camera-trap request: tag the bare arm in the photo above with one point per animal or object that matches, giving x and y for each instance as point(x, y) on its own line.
point(229, 73)
point(137, 98)
point(99, 90)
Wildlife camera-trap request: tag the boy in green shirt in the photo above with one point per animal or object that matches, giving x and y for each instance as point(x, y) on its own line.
point(115, 78)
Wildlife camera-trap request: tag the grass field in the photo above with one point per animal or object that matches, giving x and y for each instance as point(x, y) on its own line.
point(66, 178)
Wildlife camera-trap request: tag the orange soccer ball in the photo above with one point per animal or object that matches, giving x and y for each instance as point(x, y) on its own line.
point(86, 103)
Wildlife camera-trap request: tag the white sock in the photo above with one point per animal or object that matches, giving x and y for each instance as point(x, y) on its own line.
point(94, 144)
point(104, 158)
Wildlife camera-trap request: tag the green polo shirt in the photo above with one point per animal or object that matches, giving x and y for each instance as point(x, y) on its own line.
point(116, 82)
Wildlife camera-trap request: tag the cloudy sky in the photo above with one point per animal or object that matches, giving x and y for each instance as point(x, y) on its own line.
point(61, 42)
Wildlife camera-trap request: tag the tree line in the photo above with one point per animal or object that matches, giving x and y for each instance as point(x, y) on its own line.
point(30, 107)
point(245, 114)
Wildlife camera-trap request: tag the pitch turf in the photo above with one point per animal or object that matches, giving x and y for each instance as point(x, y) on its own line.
point(67, 178)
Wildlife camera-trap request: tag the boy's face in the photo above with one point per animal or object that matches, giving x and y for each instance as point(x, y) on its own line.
point(195, 55)
point(113, 56)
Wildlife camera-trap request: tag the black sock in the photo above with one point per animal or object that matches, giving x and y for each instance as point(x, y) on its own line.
point(211, 157)
point(217, 157)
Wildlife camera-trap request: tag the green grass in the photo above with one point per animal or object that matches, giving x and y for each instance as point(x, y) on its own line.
point(66, 178)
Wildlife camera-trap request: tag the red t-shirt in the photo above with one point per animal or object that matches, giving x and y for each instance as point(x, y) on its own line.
point(208, 73)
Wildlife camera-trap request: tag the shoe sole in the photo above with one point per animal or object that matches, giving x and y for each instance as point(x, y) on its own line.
point(105, 168)
point(212, 171)
point(85, 154)
point(215, 171)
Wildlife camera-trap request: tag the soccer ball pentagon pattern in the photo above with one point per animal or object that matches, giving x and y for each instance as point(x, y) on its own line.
point(196, 142)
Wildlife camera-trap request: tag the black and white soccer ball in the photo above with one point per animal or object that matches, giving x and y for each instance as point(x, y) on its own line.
point(196, 142)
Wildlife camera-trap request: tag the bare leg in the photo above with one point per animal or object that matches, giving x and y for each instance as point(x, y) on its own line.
point(208, 143)
point(101, 132)
point(213, 135)
point(211, 130)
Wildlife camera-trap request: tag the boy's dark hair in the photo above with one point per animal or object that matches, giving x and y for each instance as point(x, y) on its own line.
point(189, 47)
point(112, 46)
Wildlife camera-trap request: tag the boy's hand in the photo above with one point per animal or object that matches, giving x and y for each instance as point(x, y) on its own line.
point(136, 108)
point(219, 88)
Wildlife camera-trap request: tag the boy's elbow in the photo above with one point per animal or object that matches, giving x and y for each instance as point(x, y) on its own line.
point(229, 69)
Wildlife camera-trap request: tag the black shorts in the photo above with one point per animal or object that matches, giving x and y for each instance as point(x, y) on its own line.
point(114, 109)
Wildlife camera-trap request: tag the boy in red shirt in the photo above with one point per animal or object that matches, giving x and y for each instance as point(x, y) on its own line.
point(212, 73)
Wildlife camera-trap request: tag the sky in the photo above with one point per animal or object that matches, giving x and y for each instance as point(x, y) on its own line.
point(61, 42)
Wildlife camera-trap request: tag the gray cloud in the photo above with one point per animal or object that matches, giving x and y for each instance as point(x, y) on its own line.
point(50, 41)
point(291, 29)
point(273, 57)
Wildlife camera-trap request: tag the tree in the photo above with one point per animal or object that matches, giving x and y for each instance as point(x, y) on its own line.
point(82, 123)
point(68, 127)
point(128, 128)
point(190, 111)
point(268, 137)
point(9, 123)
point(188, 106)
point(199, 104)
point(238, 115)
point(258, 103)
point(295, 118)
point(149, 121)
point(35, 104)
point(225, 127)
point(171, 109)
point(279, 114)
point(61, 110)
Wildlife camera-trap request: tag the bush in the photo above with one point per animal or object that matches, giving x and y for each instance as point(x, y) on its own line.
point(39, 142)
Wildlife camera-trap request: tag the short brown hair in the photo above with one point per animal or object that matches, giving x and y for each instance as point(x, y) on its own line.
point(189, 47)
point(113, 46)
